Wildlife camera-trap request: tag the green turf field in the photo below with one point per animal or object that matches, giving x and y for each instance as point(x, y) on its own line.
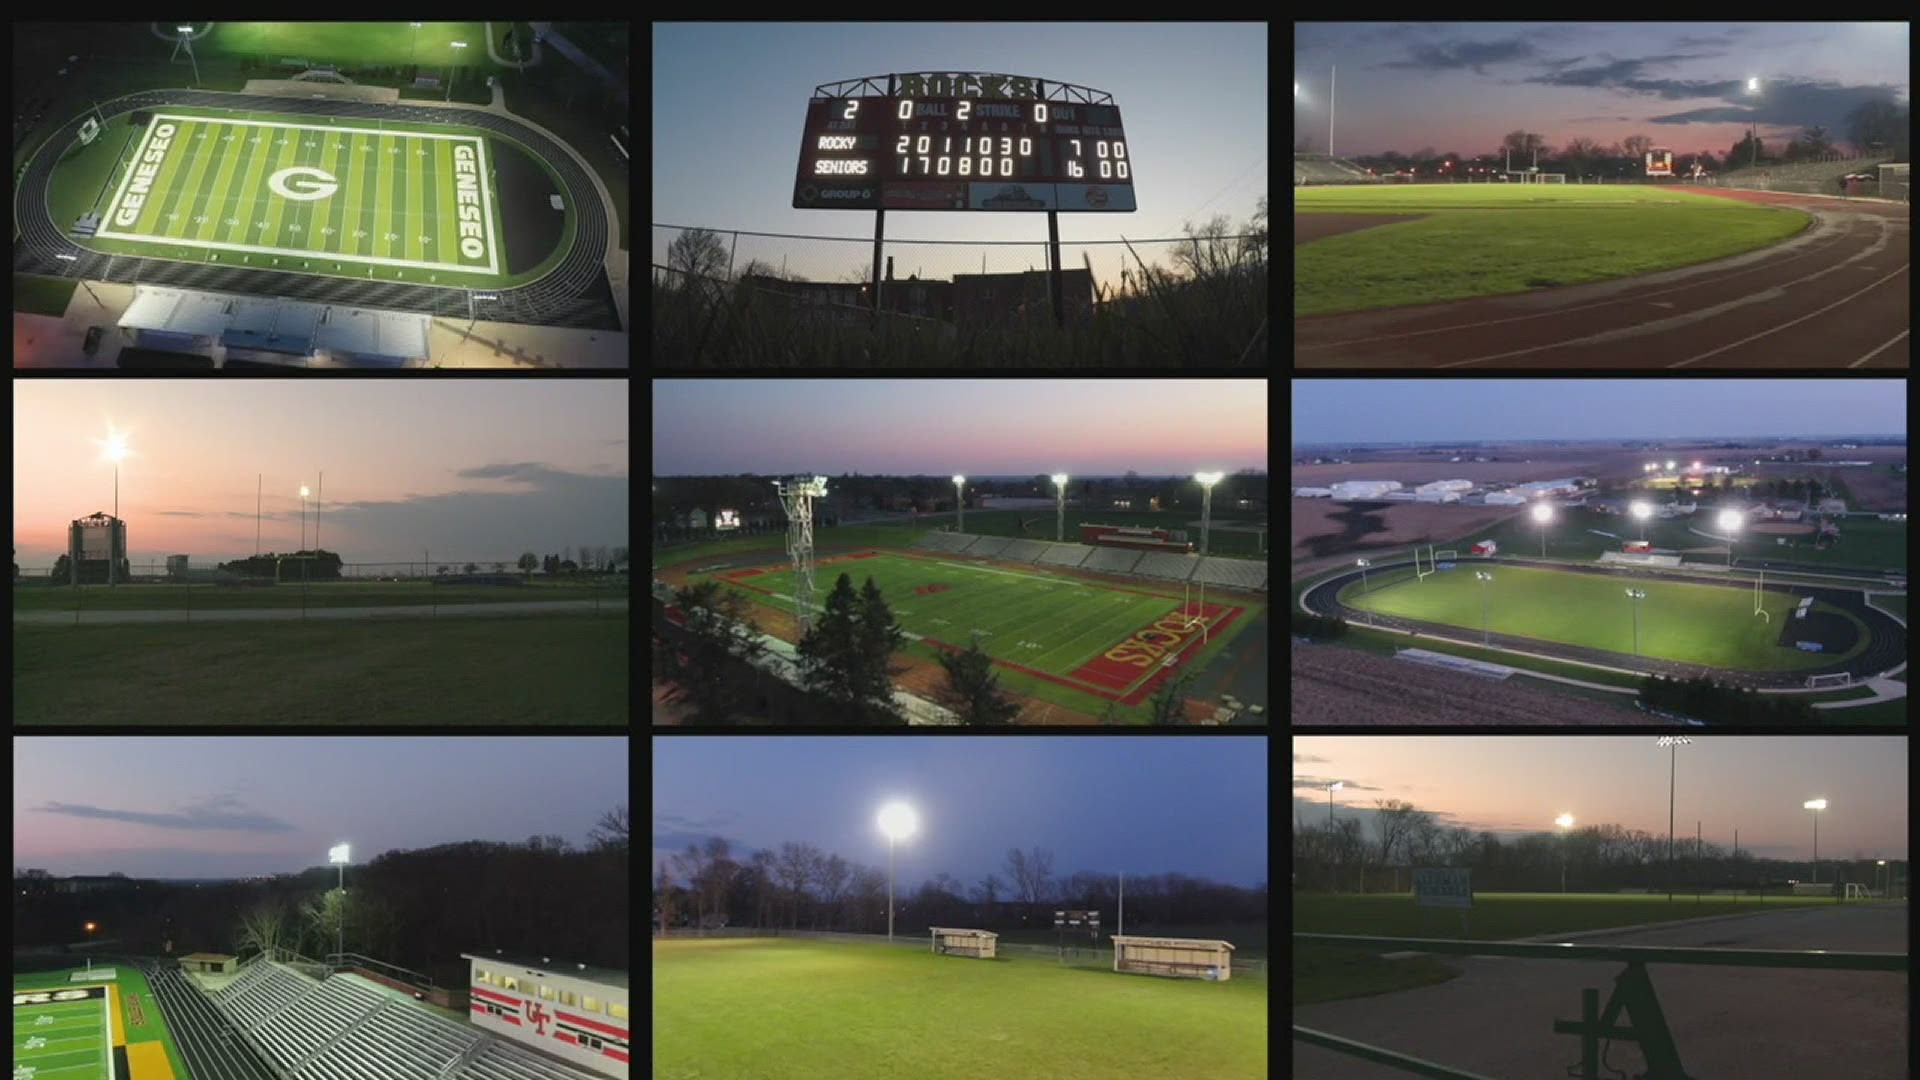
point(356, 43)
point(1895, 604)
point(816, 1010)
point(71, 1040)
point(1582, 533)
point(290, 596)
point(1325, 973)
point(1710, 625)
point(1489, 239)
point(36, 295)
point(532, 669)
point(1041, 622)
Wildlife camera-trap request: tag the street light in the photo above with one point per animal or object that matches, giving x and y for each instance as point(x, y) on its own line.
point(1886, 893)
point(1542, 513)
point(1730, 522)
point(1565, 821)
point(1636, 595)
point(1815, 805)
point(960, 503)
point(1673, 744)
point(1642, 511)
point(1483, 577)
point(897, 820)
point(1059, 508)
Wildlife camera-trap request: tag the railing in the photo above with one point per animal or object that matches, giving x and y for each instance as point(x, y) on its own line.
point(1633, 994)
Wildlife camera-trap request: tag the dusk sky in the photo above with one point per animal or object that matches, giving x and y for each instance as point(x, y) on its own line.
point(1087, 427)
point(469, 469)
point(235, 806)
point(1404, 410)
point(1459, 88)
point(730, 103)
point(1156, 805)
point(1517, 784)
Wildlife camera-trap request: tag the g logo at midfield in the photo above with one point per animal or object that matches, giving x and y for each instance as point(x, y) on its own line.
point(313, 183)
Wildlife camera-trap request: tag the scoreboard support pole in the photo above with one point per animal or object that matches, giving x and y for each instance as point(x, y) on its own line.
point(1055, 286)
point(879, 245)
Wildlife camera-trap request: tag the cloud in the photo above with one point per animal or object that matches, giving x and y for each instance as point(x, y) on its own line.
point(1473, 55)
point(1309, 759)
point(219, 813)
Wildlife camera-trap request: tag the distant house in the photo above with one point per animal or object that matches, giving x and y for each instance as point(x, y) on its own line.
point(1832, 506)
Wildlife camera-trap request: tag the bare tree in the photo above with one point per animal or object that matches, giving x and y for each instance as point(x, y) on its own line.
point(1393, 825)
point(691, 865)
point(794, 866)
point(610, 832)
point(835, 874)
point(720, 870)
point(1030, 871)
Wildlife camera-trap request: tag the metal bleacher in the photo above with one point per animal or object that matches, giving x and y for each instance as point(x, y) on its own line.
point(1161, 564)
point(1024, 551)
point(1111, 560)
point(1234, 573)
point(953, 542)
point(293, 1034)
point(1065, 554)
point(989, 547)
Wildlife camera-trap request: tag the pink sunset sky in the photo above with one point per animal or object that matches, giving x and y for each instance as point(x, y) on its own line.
point(1087, 427)
point(475, 469)
point(1518, 784)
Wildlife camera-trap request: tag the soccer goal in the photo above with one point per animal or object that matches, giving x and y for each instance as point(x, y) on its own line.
point(1445, 556)
point(1857, 891)
point(1815, 682)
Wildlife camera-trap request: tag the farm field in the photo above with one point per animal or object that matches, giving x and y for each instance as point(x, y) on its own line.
point(288, 595)
point(832, 1011)
point(1484, 240)
point(534, 669)
point(1082, 643)
point(1713, 626)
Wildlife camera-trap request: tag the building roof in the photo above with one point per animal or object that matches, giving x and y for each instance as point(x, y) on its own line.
point(552, 966)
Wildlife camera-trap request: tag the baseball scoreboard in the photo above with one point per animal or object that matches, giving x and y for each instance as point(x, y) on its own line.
point(959, 152)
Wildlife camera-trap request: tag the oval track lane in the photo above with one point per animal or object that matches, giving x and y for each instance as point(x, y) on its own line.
point(1835, 296)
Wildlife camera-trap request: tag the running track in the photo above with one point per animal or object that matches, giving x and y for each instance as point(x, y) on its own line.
point(1834, 296)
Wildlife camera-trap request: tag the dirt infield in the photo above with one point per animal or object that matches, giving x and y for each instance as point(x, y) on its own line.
point(1310, 227)
point(1835, 296)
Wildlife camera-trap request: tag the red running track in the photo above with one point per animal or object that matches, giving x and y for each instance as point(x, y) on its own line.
point(1834, 296)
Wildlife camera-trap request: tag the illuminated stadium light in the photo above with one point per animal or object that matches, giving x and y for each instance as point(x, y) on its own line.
point(1643, 511)
point(1730, 522)
point(1672, 745)
point(1483, 578)
point(1815, 805)
point(1542, 513)
point(1565, 821)
point(959, 504)
point(898, 821)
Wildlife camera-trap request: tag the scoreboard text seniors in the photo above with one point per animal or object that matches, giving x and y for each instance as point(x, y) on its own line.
point(963, 153)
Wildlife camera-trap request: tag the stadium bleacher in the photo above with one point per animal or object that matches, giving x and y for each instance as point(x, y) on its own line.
point(1160, 564)
point(989, 546)
point(1233, 573)
point(1065, 554)
point(1024, 551)
point(1111, 560)
point(1322, 169)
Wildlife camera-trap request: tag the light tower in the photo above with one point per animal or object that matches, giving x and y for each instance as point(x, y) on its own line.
point(1815, 805)
point(186, 39)
point(1363, 564)
point(1634, 596)
point(1730, 522)
point(898, 821)
point(1206, 480)
point(796, 497)
point(114, 449)
point(1483, 577)
point(1672, 743)
point(1542, 513)
point(338, 856)
point(959, 503)
point(1641, 512)
point(1565, 821)
point(1059, 508)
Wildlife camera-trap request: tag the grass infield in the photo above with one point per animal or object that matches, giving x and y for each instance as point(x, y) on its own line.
point(1709, 625)
point(535, 669)
point(813, 1010)
point(1490, 239)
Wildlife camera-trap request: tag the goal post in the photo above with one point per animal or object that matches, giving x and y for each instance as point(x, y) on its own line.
point(1857, 891)
point(1842, 680)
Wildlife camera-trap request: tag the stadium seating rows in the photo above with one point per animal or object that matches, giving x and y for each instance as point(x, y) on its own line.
point(1111, 560)
point(1159, 564)
point(1232, 573)
point(1321, 169)
point(1024, 551)
point(1236, 573)
point(1065, 554)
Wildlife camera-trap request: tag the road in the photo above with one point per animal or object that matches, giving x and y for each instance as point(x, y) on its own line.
point(395, 611)
point(1753, 1024)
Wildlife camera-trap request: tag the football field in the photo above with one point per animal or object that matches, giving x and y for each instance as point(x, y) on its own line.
point(330, 195)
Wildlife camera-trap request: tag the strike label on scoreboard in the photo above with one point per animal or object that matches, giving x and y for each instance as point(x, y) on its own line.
point(904, 152)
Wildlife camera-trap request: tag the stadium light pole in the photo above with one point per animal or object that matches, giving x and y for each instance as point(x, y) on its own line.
point(1483, 577)
point(1331, 788)
point(338, 856)
point(1753, 87)
point(1059, 507)
point(1886, 892)
point(1730, 522)
point(1363, 564)
point(1206, 480)
point(114, 450)
point(303, 517)
point(415, 49)
point(1542, 513)
point(1635, 596)
point(1642, 511)
point(1565, 821)
point(960, 503)
point(897, 820)
point(451, 68)
point(1673, 743)
point(186, 37)
point(1815, 805)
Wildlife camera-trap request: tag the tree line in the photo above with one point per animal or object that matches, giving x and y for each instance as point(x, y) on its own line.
point(797, 886)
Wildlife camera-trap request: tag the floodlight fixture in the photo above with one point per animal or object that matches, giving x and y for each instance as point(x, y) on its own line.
point(1059, 479)
point(1208, 479)
point(1542, 512)
point(1815, 805)
point(1564, 821)
point(1669, 466)
point(337, 854)
point(1641, 510)
point(1753, 86)
point(1672, 744)
point(1731, 520)
point(959, 479)
point(1482, 575)
point(184, 29)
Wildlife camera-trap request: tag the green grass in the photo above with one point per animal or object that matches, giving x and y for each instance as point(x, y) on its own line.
point(1889, 713)
point(812, 1010)
point(289, 596)
point(1710, 625)
point(1328, 973)
point(1037, 620)
point(1894, 604)
point(355, 44)
point(36, 295)
point(1384, 643)
point(535, 669)
point(840, 538)
point(1486, 240)
point(1865, 542)
point(130, 981)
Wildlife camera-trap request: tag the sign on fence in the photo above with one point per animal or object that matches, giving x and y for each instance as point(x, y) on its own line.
point(1444, 887)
